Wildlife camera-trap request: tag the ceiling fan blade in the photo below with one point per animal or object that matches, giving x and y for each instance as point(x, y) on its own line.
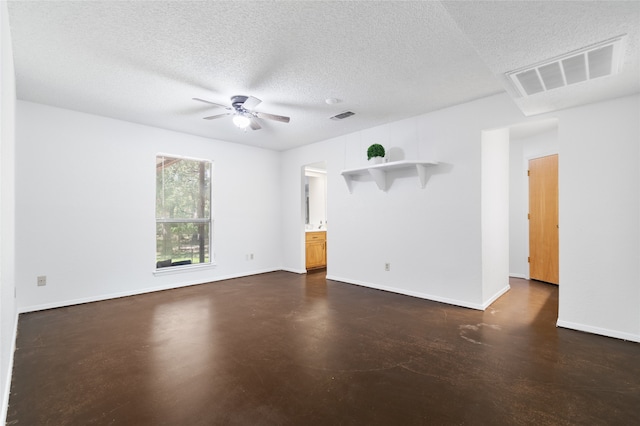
point(280, 118)
point(213, 117)
point(255, 125)
point(209, 102)
point(251, 103)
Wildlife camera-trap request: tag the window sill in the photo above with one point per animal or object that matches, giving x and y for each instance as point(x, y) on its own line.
point(181, 269)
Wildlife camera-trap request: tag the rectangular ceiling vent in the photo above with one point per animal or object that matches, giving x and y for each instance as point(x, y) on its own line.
point(591, 62)
point(342, 115)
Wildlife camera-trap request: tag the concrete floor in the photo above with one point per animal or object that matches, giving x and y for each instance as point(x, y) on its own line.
point(287, 349)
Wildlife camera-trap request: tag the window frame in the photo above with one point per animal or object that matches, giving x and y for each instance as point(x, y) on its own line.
point(210, 221)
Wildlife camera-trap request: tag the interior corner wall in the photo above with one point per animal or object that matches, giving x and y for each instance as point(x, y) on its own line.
point(599, 184)
point(431, 236)
point(85, 207)
point(495, 213)
point(8, 311)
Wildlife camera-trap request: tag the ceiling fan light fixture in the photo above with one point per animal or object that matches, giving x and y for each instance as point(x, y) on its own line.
point(242, 114)
point(241, 121)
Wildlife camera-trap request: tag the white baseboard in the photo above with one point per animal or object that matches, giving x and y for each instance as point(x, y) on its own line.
point(295, 271)
point(7, 385)
point(417, 294)
point(495, 297)
point(514, 275)
point(597, 330)
point(60, 304)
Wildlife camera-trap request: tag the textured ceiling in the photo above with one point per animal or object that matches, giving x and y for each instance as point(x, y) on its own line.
point(143, 61)
point(525, 33)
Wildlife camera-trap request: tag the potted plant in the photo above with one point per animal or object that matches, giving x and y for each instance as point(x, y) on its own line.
point(375, 153)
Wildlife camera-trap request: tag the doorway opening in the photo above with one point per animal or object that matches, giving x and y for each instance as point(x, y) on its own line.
point(527, 142)
point(505, 155)
point(315, 215)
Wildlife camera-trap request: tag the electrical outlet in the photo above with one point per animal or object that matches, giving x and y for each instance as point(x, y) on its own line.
point(42, 280)
point(251, 256)
point(387, 266)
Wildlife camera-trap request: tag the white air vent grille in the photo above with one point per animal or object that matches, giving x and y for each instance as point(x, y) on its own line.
point(585, 64)
point(342, 115)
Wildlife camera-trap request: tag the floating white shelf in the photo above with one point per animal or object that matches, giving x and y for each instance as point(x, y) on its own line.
point(379, 172)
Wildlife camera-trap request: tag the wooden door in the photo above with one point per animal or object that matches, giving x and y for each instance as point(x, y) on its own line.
point(543, 219)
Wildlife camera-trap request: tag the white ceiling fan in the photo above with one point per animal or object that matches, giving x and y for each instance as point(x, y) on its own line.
point(242, 111)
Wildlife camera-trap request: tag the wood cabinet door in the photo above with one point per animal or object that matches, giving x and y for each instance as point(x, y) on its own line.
point(316, 254)
point(543, 219)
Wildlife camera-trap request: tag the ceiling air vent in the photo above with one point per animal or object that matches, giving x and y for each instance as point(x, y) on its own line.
point(342, 115)
point(591, 62)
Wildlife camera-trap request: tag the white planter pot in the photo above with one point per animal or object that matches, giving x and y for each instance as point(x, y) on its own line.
point(376, 160)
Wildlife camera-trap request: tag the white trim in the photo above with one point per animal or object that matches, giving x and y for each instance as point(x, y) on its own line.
point(295, 271)
point(309, 171)
point(525, 189)
point(597, 330)
point(80, 301)
point(185, 268)
point(495, 297)
point(7, 384)
point(183, 157)
point(542, 154)
point(210, 220)
point(419, 295)
point(514, 275)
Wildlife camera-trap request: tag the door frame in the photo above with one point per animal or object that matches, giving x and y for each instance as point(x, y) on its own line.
point(526, 160)
point(313, 166)
point(538, 156)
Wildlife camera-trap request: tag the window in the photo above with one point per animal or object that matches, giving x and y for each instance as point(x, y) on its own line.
point(183, 211)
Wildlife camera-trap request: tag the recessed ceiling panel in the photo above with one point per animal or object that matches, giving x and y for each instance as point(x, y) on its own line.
point(600, 61)
point(551, 75)
point(575, 67)
point(530, 82)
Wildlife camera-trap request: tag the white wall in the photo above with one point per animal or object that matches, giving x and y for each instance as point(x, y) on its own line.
point(495, 213)
point(8, 312)
point(600, 218)
point(522, 150)
point(431, 235)
point(86, 207)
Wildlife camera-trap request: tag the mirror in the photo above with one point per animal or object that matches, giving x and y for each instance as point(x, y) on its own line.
point(315, 193)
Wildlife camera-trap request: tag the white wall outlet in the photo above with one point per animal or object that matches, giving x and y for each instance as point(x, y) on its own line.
point(42, 280)
point(251, 256)
point(387, 266)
